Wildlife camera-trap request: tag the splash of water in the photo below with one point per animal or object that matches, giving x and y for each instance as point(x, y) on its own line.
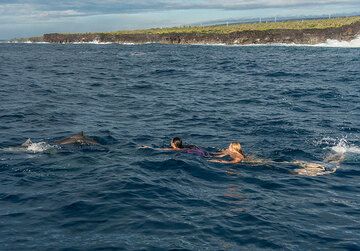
point(93, 42)
point(38, 147)
point(31, 148)
point(339, 149)
point(332, 43)
point(344, 147)
point(355, 43)
point(339, 145)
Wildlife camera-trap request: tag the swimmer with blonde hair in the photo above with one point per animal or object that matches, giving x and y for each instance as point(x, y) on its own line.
point(236, 155)
point(234, 151)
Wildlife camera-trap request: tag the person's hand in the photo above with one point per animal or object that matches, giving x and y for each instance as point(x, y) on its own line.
point(143, 147)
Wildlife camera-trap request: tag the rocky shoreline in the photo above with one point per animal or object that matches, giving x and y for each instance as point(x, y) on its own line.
point(285, 36)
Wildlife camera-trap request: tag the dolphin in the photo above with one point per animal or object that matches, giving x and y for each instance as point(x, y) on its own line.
point(77, 139)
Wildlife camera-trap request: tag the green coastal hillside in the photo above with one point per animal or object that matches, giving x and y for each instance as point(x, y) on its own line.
point(226, 29)
point(296, 31)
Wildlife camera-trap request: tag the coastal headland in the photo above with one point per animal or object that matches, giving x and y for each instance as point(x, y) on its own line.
point(288, 32)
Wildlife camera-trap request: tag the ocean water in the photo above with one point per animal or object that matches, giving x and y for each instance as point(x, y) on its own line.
point(281, 103)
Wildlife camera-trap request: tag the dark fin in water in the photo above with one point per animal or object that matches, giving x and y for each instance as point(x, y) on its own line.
point(77, 139)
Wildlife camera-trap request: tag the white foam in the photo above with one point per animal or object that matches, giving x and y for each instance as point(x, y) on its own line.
point(25, 42)
point(31, 148)
point(95, 41)
point(101, 43)
point(342, 146)
point(38, 147)
point(339, 146)
point(342, 149)
point(355, 43)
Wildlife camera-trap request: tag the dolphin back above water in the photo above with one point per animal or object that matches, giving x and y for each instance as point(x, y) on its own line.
point(37, 147)
point(77, 139)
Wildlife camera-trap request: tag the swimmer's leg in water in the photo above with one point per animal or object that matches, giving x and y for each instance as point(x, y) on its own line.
point(330, 165)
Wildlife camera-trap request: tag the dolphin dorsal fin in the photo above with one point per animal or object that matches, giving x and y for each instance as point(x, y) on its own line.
point(28, 142)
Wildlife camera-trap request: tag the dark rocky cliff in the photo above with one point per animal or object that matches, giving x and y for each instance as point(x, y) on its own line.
point(305, 36)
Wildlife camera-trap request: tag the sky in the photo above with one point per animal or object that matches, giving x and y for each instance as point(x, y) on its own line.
point(25, 18)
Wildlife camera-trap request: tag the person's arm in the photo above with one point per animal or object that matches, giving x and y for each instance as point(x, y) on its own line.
point(233, 161)
point(158, 149)
point(221, 161)
point(220, 154)
point(254, 160)
point(144, 146)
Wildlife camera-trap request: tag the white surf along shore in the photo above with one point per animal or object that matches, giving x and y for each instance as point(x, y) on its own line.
point(355, 43)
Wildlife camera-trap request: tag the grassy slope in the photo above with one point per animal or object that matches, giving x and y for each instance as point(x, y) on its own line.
point(223, 29)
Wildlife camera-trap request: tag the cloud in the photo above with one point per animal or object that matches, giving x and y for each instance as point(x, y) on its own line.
point(33, 17)
point(63, 8)
point(249, 4)
point(33, 12)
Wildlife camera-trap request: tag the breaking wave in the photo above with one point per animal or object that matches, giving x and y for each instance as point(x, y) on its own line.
point(355, 43)
point(332, 43)
point(92, 42)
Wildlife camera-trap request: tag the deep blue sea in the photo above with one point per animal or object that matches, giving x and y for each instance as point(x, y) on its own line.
point(282, 103)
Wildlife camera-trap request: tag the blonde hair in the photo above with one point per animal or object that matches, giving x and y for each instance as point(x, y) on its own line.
point(236, 146)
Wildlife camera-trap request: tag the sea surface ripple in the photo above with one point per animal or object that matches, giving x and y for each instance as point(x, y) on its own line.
point(282, 103)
